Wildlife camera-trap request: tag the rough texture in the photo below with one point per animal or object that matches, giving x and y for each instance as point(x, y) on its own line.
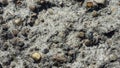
point(53, 28)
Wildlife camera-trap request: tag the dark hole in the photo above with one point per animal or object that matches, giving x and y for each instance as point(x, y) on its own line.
point(44, 6)
point(110, 34)
point(1, 66)
point(79, 0)
point(96, 8)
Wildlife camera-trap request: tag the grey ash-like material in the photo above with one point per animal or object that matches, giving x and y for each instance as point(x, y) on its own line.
point(53, 29)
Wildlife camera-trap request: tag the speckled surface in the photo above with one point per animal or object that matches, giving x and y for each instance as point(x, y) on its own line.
point(53, 30)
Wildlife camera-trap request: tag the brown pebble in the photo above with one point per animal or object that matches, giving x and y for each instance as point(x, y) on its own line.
point(81, 34)
point(89, 4)
point(18, 2)
point(59, 58)
point(5, 45)
point(36, 56)
point(94, 14)
point(17, 21)
point(32, 7)
point(87, 42)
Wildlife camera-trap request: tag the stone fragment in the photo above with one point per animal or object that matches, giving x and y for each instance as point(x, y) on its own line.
point(36, 56)
point(100, 1)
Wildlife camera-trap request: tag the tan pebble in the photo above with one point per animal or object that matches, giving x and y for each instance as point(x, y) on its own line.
point(81, 34)
point(32, 7)
point(34, 15)
point(59, 58)
point(18, 21)
point(71, 52)
point(113, 57)
point(109, 42)
point(89, 4)
point(36, 56)
point(87, 42)
point(100, 1)
point(92, 66)
point(61, 34)
point(94, 14)
point(50, 11)
point(36, 22)
point(113, 9)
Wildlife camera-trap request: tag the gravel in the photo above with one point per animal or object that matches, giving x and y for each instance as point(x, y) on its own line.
point(66, 33)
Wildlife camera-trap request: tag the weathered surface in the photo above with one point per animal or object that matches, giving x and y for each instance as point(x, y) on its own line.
point(66, 33)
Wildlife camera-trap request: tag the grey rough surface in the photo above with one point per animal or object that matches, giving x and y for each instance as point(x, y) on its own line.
point(55, 32)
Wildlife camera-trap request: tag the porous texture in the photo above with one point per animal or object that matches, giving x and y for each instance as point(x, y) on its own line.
point(53, 29)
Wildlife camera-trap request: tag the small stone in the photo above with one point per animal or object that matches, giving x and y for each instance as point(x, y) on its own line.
point(94, 14)
point(34, 15)
point(5, 46)
point(17, 42)
point(109, 42)
point(89, 34)
point(87, 42)
point(59, 58)
point(61, 34)
point(36, 22)
point(15, 32)
point(100, 1)
point(18, 21)
point(113, 57)
point(32, 7)
point(50, 11)
point(5, 27)
point(81, 34)
point(39, 1)
point(25, 32)
point(71, 52)
point(46, 50)
point(36, 56)
point(18, 2)
point(89, 4)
